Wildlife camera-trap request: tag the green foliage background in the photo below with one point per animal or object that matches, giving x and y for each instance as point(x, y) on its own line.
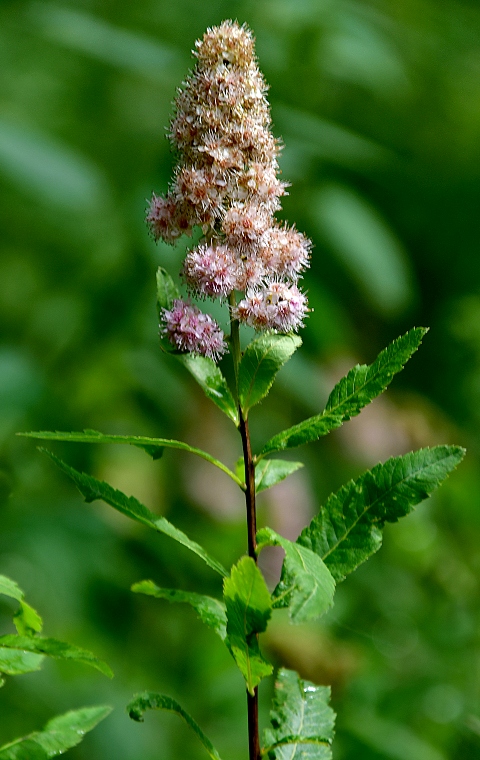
point(378, 104)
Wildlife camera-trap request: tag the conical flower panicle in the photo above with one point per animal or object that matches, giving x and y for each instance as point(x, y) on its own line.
point(226, 181)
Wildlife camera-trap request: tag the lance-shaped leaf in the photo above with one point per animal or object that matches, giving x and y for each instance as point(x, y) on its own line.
point(153, 446)
point(26, 619)
point(93, 489)
point(150, 700)
point(210, 378)
point(357, 389)
point(14, 662)
point(60, 733)
point(302, 720)
point(210, 611)
point(249, 608)
point(54, 648)
point(261, 361)
point(306, 585)
point(269, 472)
point(348, 529)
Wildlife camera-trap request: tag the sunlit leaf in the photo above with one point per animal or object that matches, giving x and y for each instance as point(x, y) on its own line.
point(357, 389)
point(14, 662)
point(60, 733)
point(302, 722)
point(54, 648)
point(210, 378)
point(93, 489)
point(306, 585)
point(269, 472)
point(260, 363)
point(153, 446)
point(167, 291)
point(150, 700)
point(210, 611)
point(249, 608)
point(348, 528)
point(26, 619)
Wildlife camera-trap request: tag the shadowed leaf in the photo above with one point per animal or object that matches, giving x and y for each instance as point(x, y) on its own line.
point(150, 700)
point(210, 611)
point(60, 733)
point(93, 489)
point(57, 649)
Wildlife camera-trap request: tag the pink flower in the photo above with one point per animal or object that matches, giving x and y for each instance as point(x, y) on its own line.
point(192, 331)
point(285, 252)
point(167, 220)
point(279, 306)
point(211, 270)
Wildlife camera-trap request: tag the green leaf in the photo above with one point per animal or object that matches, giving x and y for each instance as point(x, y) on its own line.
point(60, 733)
point(167, 291)
point(14, 662)
point(268, 472)
point(249, 608)
point(362, 384)
point(210, 611)
point(153, 446)
point(93, 489)
point(150, 700)
point(302, 720)
point(306, 585)
point(57, 649)
point(26, 619)
point(348, 529)
point(210, 378)
point(261, 361)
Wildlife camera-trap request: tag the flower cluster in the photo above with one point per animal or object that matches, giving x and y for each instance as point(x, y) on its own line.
point(189, 329)
point(226, 182)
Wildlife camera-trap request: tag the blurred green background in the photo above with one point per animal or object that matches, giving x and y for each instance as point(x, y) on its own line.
point(378, 105)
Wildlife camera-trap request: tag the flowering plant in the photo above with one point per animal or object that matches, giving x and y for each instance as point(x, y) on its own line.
point(226, 182)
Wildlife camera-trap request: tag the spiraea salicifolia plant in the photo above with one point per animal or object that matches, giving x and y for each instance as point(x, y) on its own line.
point(226, 184)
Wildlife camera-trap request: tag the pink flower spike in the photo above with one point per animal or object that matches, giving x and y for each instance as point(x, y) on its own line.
point(278, 306)
point(192, 331)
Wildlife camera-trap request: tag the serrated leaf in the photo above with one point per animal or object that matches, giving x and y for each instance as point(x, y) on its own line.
point(302, 720)
point(210, 378)
point(269, 472)
point(167, 291)
point(14, 662)
point(260, 362)
point(26, 619)
point(249, 607)
point(150, 700)
point(54, 648)
point(357, 389)
point(348, 529)
point(306, 585)
point(93, 489)
point(153, 446)
point(210, 611)
point(60, 733)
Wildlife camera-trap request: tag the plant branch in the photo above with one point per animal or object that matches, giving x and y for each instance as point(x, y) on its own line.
point(252, 700)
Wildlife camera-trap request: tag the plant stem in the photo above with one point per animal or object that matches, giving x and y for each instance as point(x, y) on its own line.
point(252, 700)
